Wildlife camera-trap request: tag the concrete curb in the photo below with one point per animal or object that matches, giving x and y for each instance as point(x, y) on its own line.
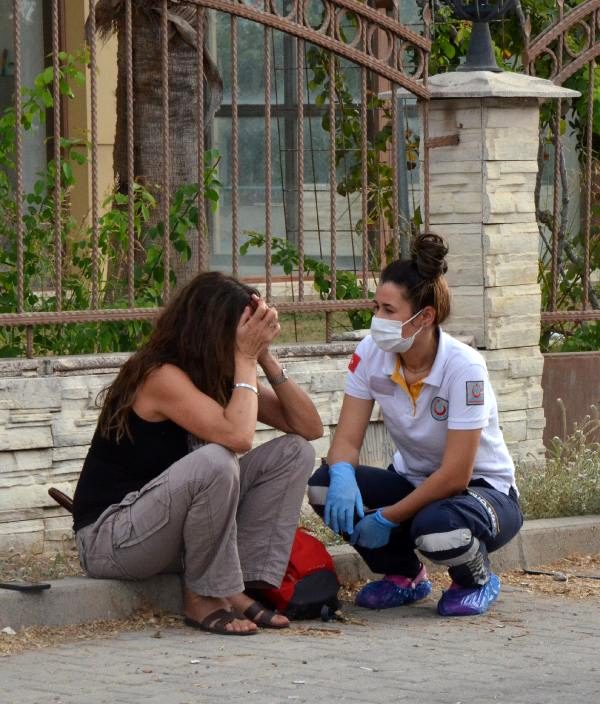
point(80, 599)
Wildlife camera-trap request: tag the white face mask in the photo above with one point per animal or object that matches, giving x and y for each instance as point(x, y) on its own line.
point(387, 334)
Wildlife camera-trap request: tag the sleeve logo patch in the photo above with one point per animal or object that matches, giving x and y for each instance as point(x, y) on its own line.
point(354, 362)
point(439, 408)
point(475, 395)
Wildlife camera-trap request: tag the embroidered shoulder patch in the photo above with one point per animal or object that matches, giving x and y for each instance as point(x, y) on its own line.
point(439, 408)
point(475, 395)
point(354, 362)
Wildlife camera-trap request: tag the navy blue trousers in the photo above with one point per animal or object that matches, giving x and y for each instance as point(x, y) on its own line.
point(457, 531)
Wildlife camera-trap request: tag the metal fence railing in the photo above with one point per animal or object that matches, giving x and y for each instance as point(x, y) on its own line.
point(569, 223)
point(329, 59)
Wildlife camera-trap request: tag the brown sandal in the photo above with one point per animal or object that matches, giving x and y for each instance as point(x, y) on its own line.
point(216, 622)
point(263, 617)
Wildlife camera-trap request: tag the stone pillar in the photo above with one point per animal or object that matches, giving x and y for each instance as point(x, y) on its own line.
point(482, 199)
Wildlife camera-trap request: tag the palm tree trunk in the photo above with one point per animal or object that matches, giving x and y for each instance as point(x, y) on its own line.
point(148, 105)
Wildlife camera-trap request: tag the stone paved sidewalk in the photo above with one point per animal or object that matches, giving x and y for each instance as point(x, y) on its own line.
point(528, 650)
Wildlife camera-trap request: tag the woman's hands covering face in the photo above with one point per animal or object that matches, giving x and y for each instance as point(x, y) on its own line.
point(257, 328)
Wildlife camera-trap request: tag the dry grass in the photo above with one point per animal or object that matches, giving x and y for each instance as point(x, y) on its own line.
point(309, 327)
point(44, 637)
point(34, 567)
point(569, 482)
point(575, 577)
point(314, 525)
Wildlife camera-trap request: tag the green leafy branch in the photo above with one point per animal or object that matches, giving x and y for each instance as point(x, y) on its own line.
point(347, 284)
point(349, 136)
point(39, 252)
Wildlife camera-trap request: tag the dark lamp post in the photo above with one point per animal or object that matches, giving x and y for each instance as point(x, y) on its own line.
point(480, 56)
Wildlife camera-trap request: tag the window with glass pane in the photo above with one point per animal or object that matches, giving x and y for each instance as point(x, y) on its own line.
point(284, 162)
point(316, 226)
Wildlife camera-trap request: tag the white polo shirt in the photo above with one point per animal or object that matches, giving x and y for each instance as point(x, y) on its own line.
point(456, 395)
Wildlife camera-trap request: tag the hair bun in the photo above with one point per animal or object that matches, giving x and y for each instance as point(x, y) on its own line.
point(428, 252)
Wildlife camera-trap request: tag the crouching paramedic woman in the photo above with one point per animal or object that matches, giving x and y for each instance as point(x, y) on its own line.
point(450, 490)
point(162, 488)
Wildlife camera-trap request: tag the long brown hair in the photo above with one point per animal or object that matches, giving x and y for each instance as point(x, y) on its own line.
point(195, 332)
point(422, 276)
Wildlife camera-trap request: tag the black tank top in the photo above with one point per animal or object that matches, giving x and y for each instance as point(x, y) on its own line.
point(111, 470)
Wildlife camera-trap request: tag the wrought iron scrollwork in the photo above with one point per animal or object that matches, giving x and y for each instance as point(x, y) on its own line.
point(567, 45)
point(347, 28)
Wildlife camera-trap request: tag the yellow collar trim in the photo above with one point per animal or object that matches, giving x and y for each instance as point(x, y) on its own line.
point(412, 390)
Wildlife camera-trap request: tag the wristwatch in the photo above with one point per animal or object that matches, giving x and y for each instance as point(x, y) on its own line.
point(281, 378)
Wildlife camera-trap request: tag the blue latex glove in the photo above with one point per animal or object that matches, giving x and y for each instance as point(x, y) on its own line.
point(373, 531)
point(343, 497)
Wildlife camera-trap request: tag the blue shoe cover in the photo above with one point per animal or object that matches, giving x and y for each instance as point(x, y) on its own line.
point(386, 593)
point(469, 601)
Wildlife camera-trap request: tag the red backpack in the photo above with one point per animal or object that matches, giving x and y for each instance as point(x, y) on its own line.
point(310, 585)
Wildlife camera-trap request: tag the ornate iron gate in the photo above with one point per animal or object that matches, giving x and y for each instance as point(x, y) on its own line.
point(570, 260)
point(386, 54)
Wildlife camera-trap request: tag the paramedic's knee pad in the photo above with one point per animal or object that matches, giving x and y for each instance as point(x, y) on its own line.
point(463, 554)
point(318, 486)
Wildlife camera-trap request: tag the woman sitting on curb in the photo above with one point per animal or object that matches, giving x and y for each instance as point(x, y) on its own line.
point(162, 488)
point(450, 491)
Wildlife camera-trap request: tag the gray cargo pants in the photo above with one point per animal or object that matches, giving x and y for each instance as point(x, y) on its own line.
point(220, 520)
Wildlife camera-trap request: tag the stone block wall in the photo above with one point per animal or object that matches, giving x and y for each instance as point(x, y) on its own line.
point(47, 417)
point(48, 414)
